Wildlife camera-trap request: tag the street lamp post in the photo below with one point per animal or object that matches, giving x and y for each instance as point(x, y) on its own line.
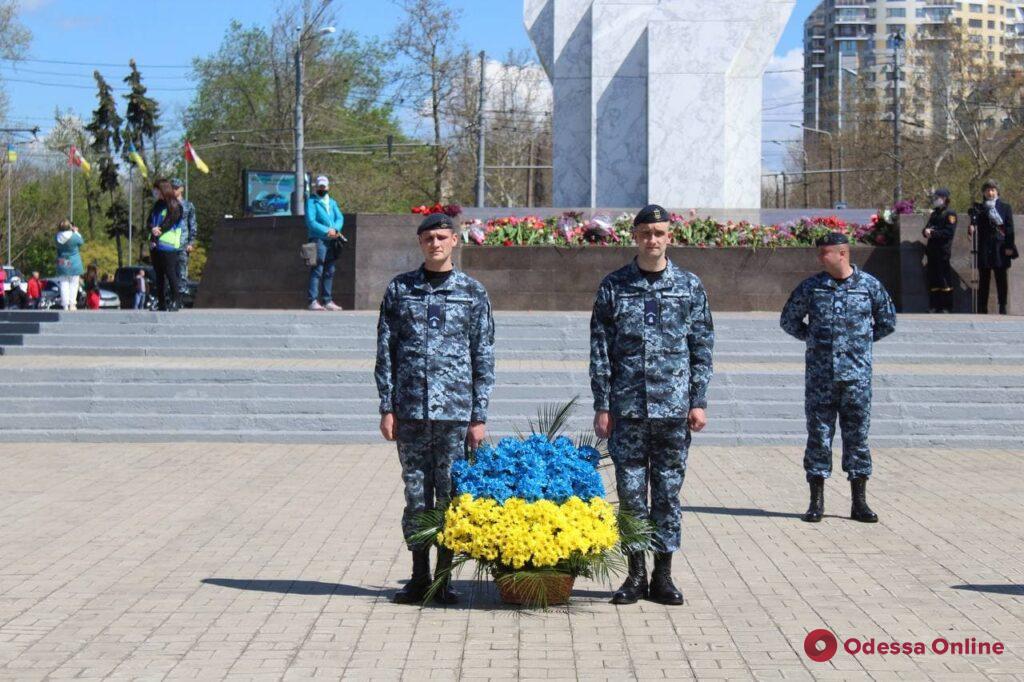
point(300, 135)
point(831, 167)
point(897, 154)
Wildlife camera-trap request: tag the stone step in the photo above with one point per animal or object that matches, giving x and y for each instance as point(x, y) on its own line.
point(13, 437)
point(366, 422)
point(770, 342)
point(35, 346)
point(368, 320)
point(500, 407)
point(568, 379)
point(200, 391)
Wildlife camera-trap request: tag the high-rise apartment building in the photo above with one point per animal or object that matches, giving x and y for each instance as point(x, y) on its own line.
point(847, 43)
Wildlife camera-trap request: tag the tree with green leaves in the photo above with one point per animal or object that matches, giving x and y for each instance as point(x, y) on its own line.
point(423, 39)
point(242, 117)
point(14, 39)
point(140, 121)
point(105, 128)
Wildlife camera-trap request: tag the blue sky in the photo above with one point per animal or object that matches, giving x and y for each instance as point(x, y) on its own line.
point(172, 33)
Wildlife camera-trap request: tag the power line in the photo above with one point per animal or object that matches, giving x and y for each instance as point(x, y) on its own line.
point(68, 74)
point(92, 87)
point(92, 64)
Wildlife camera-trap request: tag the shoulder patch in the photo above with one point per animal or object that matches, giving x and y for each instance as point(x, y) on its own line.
point(952, 218)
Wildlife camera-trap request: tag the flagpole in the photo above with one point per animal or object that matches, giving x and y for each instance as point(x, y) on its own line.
point(71, 184)
point(186, 177)
point(10, 181)
point(130, 213)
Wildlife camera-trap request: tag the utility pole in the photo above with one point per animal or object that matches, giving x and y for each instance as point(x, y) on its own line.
point(481, 186)
point(300, 133)
point(300, 136)
point(839, 127)
point(897, 46)
point(10, 179)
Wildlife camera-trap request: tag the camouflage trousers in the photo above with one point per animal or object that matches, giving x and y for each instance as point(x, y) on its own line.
point(650, 458)
point(426, 450)
point(850, 401)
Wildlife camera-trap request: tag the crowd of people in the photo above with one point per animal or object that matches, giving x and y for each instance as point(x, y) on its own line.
point(172, 229)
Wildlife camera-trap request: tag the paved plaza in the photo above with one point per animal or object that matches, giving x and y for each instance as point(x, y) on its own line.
point(248, 561)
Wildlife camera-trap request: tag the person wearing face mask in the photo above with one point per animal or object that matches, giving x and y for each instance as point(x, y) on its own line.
point(324, 222)
point(992, 221)
point(939, 232)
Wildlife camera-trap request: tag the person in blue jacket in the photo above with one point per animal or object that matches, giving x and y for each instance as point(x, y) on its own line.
point(324, 223)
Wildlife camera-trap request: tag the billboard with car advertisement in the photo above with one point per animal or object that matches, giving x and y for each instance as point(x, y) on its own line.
point(268, 193)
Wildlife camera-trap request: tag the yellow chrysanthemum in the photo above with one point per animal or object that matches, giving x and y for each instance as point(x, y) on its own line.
point(518, 532)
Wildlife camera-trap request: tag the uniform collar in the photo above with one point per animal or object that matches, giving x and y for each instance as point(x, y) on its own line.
point(423, 285)
point(831, 282)
point(637, 279)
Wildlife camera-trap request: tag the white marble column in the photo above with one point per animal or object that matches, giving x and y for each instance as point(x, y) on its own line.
point(657, 100)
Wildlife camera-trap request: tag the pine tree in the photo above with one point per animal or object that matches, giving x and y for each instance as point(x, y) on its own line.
point(141, 116)
point(105, 128)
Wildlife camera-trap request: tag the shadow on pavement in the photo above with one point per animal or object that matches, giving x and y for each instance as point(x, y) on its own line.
point(304, 587)
point(1014, 590)
point(741, 512)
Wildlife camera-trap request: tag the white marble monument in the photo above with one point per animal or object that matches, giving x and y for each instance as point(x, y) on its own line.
point(656, 100)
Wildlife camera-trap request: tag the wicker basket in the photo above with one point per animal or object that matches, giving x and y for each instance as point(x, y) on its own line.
point(558, 589)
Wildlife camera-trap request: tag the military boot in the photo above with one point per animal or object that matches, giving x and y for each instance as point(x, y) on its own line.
point(860, 511)
point(635, 586)
point(663, 590)
point(817, 506)
point(445, 594)
point(416, 589)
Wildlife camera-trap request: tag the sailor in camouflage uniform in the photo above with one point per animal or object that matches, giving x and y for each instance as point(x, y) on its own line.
point(651, 338)
point(435, 372)
point(846, 311)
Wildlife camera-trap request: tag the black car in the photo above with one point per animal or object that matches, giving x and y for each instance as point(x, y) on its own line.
point(124, 285)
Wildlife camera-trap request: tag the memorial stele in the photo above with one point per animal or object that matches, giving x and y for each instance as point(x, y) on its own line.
point(656, 100)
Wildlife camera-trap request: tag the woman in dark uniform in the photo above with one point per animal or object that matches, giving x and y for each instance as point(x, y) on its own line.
point(939, 232)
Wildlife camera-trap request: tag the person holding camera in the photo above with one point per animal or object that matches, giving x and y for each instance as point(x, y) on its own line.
point(939, 232)
point(324, 222)
point(992, 221)
point(69, 263)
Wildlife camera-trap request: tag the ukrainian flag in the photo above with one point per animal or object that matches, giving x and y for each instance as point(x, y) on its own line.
point(136, 158)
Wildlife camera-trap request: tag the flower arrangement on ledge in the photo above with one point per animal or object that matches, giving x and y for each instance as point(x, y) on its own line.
point(531, 513)
point(574, 229)
point(450, 210)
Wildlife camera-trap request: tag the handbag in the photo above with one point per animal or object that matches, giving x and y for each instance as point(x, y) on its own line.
point(308, 253)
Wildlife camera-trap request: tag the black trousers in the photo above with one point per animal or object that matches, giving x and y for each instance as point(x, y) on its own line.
point(940, 279)
point(984, 283)
point(165, 264)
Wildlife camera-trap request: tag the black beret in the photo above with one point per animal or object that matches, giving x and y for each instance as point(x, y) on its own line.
point(943, 192)
point(652, 213)
point(832, 239)
point(435, 221)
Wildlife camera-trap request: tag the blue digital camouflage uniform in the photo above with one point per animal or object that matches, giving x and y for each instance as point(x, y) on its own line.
point(650, 364)
point(844, 319)
point(435, 372)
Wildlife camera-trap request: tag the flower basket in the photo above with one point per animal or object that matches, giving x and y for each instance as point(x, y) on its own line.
point(552, 589)
point(530, 512)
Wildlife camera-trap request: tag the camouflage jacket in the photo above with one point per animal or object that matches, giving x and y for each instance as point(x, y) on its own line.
point(843, 320)
point(650, 344)
point(435, 349)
